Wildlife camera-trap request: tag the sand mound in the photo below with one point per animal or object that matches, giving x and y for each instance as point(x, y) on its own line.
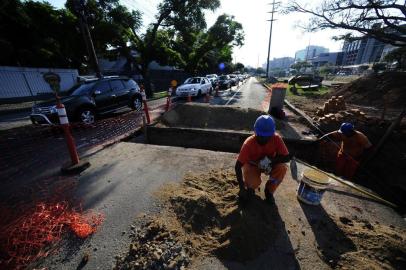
point(207, 207)
point(375, 89)
point(377, 246)
point(198, 115)
point(201, 217)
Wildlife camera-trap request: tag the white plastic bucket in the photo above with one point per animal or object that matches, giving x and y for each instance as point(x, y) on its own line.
point(312, 186)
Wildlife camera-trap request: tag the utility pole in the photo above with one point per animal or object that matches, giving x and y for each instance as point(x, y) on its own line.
point(270, 37)
point(84, 27)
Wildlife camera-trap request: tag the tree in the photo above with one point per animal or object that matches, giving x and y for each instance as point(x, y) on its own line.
point(326, 69)
point(239, 67)
point(300, 65)
point(36, 34)
point(398, 55)
point(260, 70)
point(383, 20)
point(173, 15)
point(220, 38)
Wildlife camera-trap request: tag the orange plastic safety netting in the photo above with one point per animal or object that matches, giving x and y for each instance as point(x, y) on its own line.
point(30, 234)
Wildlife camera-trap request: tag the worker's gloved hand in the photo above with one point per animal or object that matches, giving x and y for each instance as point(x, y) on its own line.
point(265, 165)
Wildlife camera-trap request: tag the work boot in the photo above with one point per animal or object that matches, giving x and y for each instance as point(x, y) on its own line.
point(269, 197)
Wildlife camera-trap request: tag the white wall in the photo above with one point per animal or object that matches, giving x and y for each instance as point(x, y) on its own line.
point(18, 82)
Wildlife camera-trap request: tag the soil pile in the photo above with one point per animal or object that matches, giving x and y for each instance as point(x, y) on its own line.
point(376, 90)
point(201, 217)
point(207, 208)
point(377, 246)
point(211, 116)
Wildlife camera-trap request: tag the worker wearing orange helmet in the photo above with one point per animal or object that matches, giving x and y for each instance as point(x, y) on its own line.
point(264, 152)
point(354, 147)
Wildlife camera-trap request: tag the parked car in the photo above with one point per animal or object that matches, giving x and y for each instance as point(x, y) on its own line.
point(224, 82)
point(195, 87)
point(305, 79)
point(241, 77)
point(234, 79)
point(213, 78)
point(87, 100)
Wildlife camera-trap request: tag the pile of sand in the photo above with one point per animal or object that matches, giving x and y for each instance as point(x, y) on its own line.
point(375, 90)
point(207, 208)
point(199, 115)
point(202, 215)
point(377, 246)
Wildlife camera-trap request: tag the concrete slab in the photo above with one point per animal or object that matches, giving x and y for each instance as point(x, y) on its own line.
point(123, 178)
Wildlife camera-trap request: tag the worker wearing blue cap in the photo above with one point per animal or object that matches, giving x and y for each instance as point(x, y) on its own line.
point(354, 146)
point(263, 152)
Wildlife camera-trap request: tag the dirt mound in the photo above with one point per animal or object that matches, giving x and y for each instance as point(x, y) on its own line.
point(211, 116)
point(375, 90)
point(201, 217)
point(378, 246)
point(207, 207)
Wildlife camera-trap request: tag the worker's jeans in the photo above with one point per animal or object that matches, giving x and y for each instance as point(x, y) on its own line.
point(346, 166)
point(252, 176)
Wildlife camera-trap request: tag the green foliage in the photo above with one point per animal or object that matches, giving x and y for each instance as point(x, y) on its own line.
point(36, 34)
point(326, 69)
point(298, 66)
point(260, 70)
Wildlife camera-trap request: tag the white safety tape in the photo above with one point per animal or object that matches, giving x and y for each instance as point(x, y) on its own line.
point(63, 118)
point(144, 97)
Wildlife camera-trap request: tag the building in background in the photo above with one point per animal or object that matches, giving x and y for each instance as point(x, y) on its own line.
point(309, 52)
point(362, 51)
point(330, 58)
point(281, 63)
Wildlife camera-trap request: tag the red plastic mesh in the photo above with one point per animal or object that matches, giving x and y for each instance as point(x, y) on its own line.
point(31, 234)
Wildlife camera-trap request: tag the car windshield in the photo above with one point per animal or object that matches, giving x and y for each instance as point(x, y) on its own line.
point(223, 78)
point(192, 81)
point(81, 89)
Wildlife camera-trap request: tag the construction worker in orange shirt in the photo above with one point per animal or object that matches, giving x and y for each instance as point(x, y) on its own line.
point(354, 147)
point(263, 152)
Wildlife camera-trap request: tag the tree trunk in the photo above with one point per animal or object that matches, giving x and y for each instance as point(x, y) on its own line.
point(147, 81)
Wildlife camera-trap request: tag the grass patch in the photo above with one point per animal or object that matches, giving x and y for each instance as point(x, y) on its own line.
point(158, 95)
point(300, 92)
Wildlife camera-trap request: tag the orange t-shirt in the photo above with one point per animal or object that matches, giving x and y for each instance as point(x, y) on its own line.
point(354, 145)
point(252, 151)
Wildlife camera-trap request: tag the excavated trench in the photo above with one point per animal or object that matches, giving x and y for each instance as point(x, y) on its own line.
point(223, 128)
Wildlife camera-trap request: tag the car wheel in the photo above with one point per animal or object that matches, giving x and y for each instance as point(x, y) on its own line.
point(137, 104)
point(199, 94)
point(87, 116)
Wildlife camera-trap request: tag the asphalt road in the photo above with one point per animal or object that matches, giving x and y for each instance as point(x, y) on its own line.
point(250, 94)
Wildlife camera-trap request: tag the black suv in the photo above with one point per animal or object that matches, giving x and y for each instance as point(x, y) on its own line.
point(91, 98)
point(224, 82)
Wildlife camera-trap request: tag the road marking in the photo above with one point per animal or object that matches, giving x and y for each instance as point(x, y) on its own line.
point(238, 90)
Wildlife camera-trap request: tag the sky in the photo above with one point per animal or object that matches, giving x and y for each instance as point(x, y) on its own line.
point(287, 38)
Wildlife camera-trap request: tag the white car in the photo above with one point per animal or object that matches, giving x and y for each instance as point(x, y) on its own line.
point(212, 78)
point(195, 86)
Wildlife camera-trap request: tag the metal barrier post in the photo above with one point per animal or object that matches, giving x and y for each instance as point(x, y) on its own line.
point(146, 111)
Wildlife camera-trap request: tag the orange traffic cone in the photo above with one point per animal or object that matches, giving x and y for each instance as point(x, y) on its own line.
point(207, 98)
